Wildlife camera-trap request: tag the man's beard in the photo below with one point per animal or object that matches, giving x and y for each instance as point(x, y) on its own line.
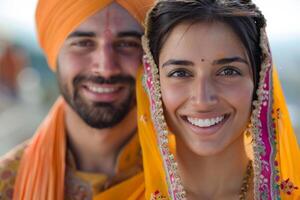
point(99, 115)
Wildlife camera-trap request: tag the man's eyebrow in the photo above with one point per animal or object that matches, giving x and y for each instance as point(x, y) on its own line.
point(223, 61)
point(82, 34)
point(130, 34)
point(93, 34)
point(178, 62)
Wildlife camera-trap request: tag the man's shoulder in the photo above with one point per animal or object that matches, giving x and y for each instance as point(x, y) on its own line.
point(9, 165)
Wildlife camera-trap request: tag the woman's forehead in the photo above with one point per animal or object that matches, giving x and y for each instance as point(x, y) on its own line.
point(203, 39)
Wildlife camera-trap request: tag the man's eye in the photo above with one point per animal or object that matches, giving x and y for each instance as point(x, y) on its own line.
point(128, 44)
point(229, 72)
point(84, 43)
point(179, 74)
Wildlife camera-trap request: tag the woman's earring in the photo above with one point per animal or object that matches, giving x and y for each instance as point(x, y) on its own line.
point(248, 130)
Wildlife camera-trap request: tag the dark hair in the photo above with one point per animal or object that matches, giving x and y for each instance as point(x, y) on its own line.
point(241, 15)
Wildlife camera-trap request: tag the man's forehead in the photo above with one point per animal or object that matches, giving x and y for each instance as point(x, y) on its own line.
point(113, 17)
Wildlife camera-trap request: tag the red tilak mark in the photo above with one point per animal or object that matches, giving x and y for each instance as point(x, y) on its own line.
point(107, 30)
point(117, 20)
point(107, 19)
point(113, 19)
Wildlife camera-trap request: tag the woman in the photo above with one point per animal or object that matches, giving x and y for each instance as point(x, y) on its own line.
point(211, 85)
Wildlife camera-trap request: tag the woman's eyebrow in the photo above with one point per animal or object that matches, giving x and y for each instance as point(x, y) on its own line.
point(178, 62)
point(230, 60)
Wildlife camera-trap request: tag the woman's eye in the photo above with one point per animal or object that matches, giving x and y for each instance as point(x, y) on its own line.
point(229, 72)
point(179, 74)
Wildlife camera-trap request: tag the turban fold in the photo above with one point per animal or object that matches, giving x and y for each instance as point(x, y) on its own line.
point(56, 19)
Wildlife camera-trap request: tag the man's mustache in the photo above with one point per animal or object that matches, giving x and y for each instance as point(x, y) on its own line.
point(119, 79)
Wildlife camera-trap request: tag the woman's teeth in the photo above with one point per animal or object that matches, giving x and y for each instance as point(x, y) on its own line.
point(204, 123)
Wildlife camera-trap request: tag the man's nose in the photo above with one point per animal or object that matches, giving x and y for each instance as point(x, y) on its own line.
point(106, 60)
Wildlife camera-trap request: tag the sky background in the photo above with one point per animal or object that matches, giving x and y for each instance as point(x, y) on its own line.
point(283, 16)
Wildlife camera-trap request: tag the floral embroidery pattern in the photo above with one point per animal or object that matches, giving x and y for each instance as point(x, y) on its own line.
point(157, 196)
point(263, 129)
point(76, 189)
point(8, 171)
point(288, 187)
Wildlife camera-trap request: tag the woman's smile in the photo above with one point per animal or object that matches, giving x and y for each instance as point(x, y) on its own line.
point(205, 126)
point(205, 122)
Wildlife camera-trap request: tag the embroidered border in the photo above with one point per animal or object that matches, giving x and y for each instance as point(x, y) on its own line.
point(151, 80)
point(264, 145)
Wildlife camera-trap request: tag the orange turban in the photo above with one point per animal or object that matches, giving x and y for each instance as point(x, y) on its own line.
point(56, 19)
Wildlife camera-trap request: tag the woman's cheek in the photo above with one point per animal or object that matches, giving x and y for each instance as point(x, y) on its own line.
point(173, 96)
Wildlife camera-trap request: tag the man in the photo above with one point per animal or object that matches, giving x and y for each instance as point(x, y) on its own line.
point(86, 147)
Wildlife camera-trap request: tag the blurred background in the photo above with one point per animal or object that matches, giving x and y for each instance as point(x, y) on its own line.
point(28, 88)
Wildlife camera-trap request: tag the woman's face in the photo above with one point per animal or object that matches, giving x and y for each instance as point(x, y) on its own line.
point(207, 85)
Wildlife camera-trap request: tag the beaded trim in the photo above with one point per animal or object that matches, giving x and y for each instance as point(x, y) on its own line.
point(151, 79)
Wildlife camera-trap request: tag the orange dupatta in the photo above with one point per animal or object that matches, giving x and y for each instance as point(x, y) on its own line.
point(37, 170)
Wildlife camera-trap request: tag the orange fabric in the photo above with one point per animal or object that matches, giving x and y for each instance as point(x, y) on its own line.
point(288, 155)
point(154, 171)
point(42, 168)
point(55, 19)
point(129, 163)
point(131, 189)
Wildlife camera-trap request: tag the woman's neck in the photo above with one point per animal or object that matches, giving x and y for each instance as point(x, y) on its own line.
point(218, 176)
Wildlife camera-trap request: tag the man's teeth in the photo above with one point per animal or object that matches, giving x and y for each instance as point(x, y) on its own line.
point(102, 90)
point(203, 123)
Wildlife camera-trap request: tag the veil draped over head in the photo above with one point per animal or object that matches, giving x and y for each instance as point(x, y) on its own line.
point(276, 154)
